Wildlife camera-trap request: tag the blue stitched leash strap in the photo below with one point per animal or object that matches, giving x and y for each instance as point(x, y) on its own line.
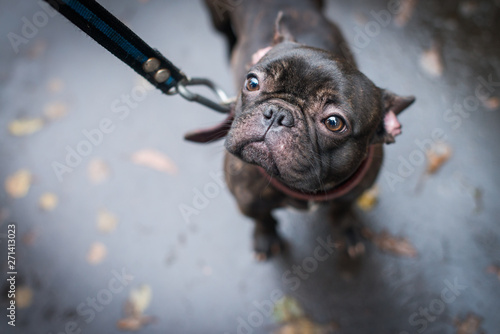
point(113, 35)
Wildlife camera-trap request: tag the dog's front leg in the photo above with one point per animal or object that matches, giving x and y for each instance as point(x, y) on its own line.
point(256, 199)
point(348, 229)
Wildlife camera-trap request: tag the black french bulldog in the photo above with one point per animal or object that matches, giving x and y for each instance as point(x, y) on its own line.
point(308, 127)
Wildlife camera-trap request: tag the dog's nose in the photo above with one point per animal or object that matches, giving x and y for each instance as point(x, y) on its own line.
point(278, 117)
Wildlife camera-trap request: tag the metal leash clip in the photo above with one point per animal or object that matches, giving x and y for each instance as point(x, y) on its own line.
point(223, 104)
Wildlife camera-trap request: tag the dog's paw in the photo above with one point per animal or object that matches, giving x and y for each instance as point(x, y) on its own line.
point(267, 245)
point(354, 244)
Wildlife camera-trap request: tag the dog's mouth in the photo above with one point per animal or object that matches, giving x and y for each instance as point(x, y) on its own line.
point(258, 153)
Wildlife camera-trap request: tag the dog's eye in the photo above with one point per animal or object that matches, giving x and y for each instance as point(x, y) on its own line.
point(335, 123)
point(252, 84)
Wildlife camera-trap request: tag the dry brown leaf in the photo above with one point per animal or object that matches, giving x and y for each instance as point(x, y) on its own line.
point(155, 160)
point(106, 221)
point(38, 49)
point(24, 297)
point(96, 253)
point(368, 199)
point(136, 304)
point(437, 155)
point(30, 237)
point(98, 171)
point(55, 85)
point(470, 325)
point(55, 110)
point(387, 243)
point(18, 184)
point(494, 269)
point(492, 103)
point(406, 9)
point(431, 61)
point(48, 201)
point(25, 126)
point(134, 323)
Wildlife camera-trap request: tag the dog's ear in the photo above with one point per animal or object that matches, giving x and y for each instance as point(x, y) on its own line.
point(390, 127)
point(281, 31)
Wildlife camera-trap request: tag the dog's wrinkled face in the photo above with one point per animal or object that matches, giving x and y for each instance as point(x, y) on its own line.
point(308, 119)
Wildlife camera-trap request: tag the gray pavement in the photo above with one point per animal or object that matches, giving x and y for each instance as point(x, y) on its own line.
point(75, 275)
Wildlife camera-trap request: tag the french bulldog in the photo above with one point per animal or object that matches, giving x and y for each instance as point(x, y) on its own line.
point(307, 126)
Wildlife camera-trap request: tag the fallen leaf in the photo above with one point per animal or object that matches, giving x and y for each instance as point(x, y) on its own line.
point(470, 325)
point(286, 309)
point(134, 323)
point(136, 304)
point(437, 155)
point(55, 85)
point(405, 12)
point(38, 49)
point(55, 110)
point(494, 269)
point(25, 126)
point(106, 221)
point(155, 160)
point(431, 61)
point(30, 237)
point(387, 243)
point(140, 299)
point(98, 171)
point(24, 297)
point(48, 201)
point(96, 253)
point(492, 103)
point(288, 312)
point(18, 184)
point(368, 199)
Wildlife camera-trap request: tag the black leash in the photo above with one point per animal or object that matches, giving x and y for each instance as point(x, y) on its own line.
point(115, 37)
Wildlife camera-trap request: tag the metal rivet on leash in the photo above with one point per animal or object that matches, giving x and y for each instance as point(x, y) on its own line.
point(118, 39)
point(162, 75)
point(151, 65)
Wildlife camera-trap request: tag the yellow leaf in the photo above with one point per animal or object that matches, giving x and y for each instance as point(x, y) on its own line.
point(106, 221)
point(140, 298)
point(18, 184)
point(48, 201)
point(368, 199)
point(98, 171)
point(24, 297)
point(25, 126)
point(97, 253)
point(155, 160)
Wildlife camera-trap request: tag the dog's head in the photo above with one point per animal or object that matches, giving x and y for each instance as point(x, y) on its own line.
point(308, 118)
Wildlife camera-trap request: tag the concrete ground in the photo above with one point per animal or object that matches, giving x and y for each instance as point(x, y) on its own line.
point(117, 231)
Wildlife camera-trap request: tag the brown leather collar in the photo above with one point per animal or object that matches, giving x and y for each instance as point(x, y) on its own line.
point(334, 193)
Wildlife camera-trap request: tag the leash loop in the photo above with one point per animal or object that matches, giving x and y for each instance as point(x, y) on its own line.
point(223, 106)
